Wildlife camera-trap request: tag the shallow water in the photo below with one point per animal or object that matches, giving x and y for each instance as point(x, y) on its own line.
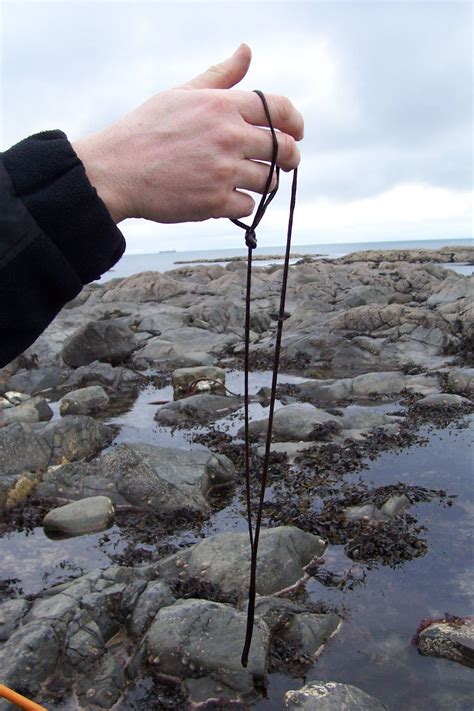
point(373, 648)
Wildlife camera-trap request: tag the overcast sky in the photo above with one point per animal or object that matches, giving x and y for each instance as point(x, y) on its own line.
point(385, 88)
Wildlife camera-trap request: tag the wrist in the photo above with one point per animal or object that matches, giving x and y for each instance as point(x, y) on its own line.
point(98, 156)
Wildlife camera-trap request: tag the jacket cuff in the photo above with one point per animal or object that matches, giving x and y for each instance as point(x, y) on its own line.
point(51, 181)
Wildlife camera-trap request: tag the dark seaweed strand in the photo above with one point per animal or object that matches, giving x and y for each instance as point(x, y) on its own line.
point(251, 242)
point(281, 315)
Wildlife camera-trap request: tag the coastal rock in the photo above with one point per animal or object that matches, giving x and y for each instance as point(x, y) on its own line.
point(161, 353)
point(84, 401)
point(32, 447)
point(185, 346)
point(223, 560)
point(366, 418)
point(66, 631)
point(156, 595)
point(366, 386)
point(11, 612)
point(104, 686)
point(196, 409)
point(143, 475)
point(296, 423)
point(206, 379)
point(38, 379)
point(329, 696)
point(451, 639)
point(108, 341)
point(200, 638)
point(295, 626)
point(36, 409)
point(461, 380)
point(86, 516)
point(443, 399)
point(97, 373)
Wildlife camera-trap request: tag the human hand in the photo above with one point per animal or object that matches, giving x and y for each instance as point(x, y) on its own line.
point(188, 153)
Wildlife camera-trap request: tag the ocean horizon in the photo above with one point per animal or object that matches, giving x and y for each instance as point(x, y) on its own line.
point(166, 260)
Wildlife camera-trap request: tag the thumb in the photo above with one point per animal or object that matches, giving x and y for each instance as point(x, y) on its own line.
point(224, 75)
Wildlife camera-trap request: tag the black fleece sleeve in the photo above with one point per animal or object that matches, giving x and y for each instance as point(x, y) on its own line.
point(55, 236)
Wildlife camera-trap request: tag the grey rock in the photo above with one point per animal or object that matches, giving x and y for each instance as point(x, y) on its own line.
point(199, 638)
point(204, 379)
point(461, 380)
point(11, 612)
point(35, 409)
point(156, 595)
point(97, 373)
point(366, 512)
point(362, 417)
point(86, 516)
point(450, 639)
point(196, 408)
point(38, 379)
point(143, 475)
point(296, 423)
point(291, 449)
point(395, 505)
point(159, 352)
point(29, 657)
point(223, 560)
point(108, 341)
point(442, 399)
point(104, 686)
point(84, 401)
point(32, 447)
point(293, 624)
point(331, 696)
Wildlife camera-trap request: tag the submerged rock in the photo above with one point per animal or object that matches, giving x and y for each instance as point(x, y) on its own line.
point(461, 380)
point(296, 423)
point(223, 560)
point(86, 516)
point(443, 399)
point(199, 638)
point(143, 475)
point(196, 409)
point(331, 696)
point(451, 639)
point(302, 631)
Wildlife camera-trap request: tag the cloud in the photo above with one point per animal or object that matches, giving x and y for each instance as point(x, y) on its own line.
point(385, 87)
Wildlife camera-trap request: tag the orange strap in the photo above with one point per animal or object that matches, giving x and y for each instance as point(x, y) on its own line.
point(19, 700)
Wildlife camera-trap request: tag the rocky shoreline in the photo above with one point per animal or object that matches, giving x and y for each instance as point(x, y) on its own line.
point(375, 346)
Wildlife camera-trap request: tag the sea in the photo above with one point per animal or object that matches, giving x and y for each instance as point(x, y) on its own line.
point(164, 261)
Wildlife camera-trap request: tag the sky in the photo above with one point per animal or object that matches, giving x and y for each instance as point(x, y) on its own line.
point(385, 87)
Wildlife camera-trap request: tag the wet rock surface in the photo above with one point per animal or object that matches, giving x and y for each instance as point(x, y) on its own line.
point(383, 344)
point(84, 401)
point(223, 561)
point(92, 514)
point(451, 638)
point(330, 695)
point(145, 476)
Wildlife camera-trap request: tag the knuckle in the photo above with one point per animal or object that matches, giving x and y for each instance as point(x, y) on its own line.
point(287, 149)
point(284, 108)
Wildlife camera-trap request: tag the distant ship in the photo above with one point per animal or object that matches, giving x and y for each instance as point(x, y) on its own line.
point(167, 251)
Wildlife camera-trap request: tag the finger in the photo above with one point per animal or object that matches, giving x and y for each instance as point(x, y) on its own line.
point(252, 175)
point(224, 75)
point(283, 114)
point(237, 205)
point(258, 145)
